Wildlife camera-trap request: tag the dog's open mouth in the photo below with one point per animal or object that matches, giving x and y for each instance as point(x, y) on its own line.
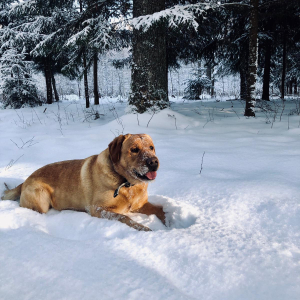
point(151, 175)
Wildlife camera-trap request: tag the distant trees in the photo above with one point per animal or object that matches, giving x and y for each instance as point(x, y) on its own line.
point(257, 39)
point(197, 84)
point(94, 30)
point(62, 37)
point(279, 40)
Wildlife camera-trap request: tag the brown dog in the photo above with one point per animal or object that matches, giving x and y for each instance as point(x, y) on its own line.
point(107, 185)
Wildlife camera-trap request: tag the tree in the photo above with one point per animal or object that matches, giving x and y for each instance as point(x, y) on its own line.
point(279, 37)
point(149, 77)
point(196, 85)
point(92, 32)
point(5, 5)
point(250, 100)
point(18, 86)
point(35, 24)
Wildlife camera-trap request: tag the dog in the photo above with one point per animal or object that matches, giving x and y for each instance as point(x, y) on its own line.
point(108, 185)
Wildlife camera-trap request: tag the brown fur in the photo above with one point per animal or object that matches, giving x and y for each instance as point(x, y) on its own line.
point(89, 184)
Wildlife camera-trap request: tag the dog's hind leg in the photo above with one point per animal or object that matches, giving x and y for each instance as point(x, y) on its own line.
point(36, 197)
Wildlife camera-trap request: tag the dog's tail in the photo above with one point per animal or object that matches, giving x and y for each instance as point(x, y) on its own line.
point(13, 194)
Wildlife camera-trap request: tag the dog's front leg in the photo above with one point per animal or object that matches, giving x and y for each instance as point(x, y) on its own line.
point(100, 212)
point(151, 209)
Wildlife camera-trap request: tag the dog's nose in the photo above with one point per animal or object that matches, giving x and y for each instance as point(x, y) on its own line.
point(152, 163)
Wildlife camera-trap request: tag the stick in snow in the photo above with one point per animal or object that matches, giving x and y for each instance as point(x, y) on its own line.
point(202, 162)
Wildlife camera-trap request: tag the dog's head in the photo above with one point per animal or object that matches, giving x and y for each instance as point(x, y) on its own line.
point(133, 157)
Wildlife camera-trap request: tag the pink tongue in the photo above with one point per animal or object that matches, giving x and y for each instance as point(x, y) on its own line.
point(151, 175)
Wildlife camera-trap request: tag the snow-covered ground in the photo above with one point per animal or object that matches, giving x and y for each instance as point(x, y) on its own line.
point(234, 229)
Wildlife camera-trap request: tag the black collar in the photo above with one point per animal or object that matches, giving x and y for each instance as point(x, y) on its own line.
point(126, 184)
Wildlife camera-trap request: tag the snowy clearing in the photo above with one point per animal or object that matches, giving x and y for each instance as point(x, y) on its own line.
point(234, 229)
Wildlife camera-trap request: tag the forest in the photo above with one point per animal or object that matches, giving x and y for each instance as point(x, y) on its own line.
point(213, 85)
point(256, 40)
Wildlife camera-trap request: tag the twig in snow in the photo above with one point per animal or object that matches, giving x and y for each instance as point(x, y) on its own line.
point(29, 143)
point(12, 162)
point(236, 113)
point(283, 106)
point(151, 118)
point(117, 118)
point(197, 111)
point(113, 133)
point(202, 162)
point(38, 116)
point(173, 116)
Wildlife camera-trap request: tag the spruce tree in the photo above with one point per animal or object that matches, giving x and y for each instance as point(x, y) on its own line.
point(37, 25)
point(17, 86)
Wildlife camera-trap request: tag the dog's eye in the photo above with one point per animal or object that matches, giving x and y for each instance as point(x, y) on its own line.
point(135, 150)
point(151, 147)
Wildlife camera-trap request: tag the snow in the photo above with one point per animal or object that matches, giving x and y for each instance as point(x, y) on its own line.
point(233, 230)
point(178, 14)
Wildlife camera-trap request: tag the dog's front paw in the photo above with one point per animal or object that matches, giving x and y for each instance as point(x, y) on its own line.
point(140, 227)
point(160, 214)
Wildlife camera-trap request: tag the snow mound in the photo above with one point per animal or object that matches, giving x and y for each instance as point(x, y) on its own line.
point(178, 215)
point(165, 119)
point(71, 97)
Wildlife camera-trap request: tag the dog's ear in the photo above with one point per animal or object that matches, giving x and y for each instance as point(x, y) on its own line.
point(115, 148)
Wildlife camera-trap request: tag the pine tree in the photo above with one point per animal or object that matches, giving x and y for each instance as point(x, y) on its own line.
point(91, 33)
point(36, 25)
point(197, 84)
point(18, 86)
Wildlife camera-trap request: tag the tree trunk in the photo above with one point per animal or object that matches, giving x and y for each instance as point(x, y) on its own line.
point(290, 87)
point(47, 71)
point(283, 66)
point(208, 74)
point(243, 84)
point(95, 67)
point(54, 87)
point(267, 71)
point(250, 100)
point(85, 77)
point(244, 56)
point(86, 85)
point(149, 75)
point(295, 88)
point(79, 92)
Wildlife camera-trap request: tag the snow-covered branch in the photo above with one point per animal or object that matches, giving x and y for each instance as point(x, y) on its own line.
point(179, 14)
